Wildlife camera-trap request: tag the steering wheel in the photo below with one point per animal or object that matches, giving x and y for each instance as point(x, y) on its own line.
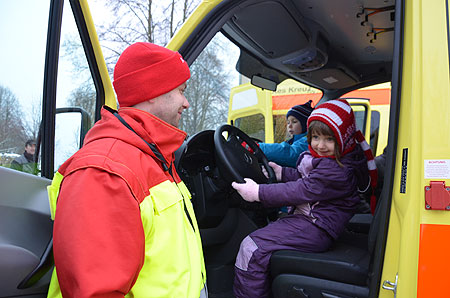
point(235, 161)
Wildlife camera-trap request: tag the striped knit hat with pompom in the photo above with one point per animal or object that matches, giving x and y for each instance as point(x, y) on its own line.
point(338, 116)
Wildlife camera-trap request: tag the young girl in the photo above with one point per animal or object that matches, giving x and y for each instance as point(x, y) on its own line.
point(323, 191)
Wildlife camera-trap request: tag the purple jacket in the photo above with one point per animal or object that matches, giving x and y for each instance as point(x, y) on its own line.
point(330, 190)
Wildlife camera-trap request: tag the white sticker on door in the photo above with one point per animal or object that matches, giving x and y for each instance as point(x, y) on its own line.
point(437, 168)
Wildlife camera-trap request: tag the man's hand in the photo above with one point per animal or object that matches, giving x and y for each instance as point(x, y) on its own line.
point(248, 190)
point(276, 168)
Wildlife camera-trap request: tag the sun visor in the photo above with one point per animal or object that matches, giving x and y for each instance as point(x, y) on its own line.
point(330, 78)
point(266, 24)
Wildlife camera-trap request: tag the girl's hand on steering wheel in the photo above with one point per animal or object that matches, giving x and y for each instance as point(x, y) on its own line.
point(276, 168)
point(248, 190)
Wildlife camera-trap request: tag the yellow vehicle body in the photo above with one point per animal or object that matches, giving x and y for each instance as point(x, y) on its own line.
point(410, 258)
point(416, 262)
point(418, 239)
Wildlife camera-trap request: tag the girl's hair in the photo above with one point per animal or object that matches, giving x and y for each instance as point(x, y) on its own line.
point(320, 128)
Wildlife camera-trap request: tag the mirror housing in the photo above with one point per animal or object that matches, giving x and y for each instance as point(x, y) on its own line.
point(263, 83)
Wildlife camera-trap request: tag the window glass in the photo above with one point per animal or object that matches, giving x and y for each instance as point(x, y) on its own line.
point(75, 89)
point(279, 128)
point(213, 74)
point(374, 130)
point(360, 112)
point(252, 125)
point(23, 33)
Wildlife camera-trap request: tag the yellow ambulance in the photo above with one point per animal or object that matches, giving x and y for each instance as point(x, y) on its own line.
point(335, 47)
point(264, 118)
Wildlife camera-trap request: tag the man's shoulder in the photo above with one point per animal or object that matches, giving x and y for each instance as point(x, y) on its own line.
point(120, 161)
point(20, 160)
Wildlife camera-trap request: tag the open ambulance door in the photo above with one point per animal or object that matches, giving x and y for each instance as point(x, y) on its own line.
point(45, 72)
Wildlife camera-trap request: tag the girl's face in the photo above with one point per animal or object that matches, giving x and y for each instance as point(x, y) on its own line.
point(322, 144)
point(293, 126)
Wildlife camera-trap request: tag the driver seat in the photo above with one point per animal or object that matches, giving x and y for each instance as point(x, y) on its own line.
point(342, 271)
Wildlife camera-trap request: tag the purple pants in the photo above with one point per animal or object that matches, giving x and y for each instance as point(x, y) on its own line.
point(293, 232)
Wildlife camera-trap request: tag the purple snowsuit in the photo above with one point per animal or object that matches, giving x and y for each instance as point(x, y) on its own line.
point(325, 200)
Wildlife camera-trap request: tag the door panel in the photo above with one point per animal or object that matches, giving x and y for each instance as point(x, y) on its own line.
point(25, 230)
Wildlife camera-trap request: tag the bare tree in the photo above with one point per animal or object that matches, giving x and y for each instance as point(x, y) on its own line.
point(84, 97)
point(206, 92)
point(141, 20)
point(72, 50)
point(157, 22)
point(13, 134)
point(132, 21)
point(34, 118)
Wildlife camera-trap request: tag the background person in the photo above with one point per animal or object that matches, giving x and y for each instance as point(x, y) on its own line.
point(323, 190)
point(124, 223)
point(26, 162)
point(286, 153)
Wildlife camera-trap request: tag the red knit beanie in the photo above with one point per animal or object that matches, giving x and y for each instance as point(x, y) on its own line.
point(338, 116)
point(145, 71)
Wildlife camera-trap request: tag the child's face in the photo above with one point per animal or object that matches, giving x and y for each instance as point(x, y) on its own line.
point(293, 126)
point(323, 145)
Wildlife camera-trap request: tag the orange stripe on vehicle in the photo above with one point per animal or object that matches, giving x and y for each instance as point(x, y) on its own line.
point(434, 262)
point(285, 102)
point(376, 96)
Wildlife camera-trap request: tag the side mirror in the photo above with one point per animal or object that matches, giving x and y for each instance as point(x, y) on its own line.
point(71, 126)
point(83, 120)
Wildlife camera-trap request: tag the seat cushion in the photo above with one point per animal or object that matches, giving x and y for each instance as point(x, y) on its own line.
point(344, 263)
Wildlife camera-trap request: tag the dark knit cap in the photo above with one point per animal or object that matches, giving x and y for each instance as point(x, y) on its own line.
point(301, 112)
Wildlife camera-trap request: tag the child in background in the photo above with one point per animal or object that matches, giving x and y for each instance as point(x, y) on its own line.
point(323, 190)
point(286, 153)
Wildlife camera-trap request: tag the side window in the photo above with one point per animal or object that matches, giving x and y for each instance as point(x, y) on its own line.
point(374, 130)
point(75, 89)
point(23, 33)
point(213, 74)
point(252, 125)
point(279, 128)
point(360, 112)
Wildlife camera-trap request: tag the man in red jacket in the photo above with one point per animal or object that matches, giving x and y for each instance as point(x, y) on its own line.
point(124, 223)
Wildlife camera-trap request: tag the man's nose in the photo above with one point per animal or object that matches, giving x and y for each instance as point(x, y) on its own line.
point(186, 103)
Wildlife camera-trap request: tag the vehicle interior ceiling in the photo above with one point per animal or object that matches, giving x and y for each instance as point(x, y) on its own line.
point(336, 47)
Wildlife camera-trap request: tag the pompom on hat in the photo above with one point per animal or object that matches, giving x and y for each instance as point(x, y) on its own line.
point(145, 71)
point(338, 116)
point(301, 112)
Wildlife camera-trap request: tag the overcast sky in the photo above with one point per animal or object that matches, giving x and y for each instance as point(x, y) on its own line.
point(23, 36)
